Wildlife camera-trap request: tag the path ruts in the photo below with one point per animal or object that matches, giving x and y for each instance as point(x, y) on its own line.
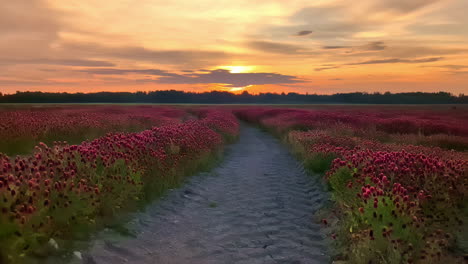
point(256, 207)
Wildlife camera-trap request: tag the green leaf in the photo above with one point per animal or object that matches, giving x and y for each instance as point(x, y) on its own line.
point(7, 229)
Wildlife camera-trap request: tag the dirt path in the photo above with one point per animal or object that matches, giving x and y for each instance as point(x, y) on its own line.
point(256, 207)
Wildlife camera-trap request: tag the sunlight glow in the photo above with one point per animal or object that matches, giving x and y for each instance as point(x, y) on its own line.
point(238, 69)
point(238, 89)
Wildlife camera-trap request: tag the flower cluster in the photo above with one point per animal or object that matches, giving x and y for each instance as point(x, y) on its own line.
point(402, 196)
point(397, 200)
point(220, 121)
point(60, 189)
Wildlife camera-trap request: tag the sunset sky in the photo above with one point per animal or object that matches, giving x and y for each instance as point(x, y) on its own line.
point(305, 46)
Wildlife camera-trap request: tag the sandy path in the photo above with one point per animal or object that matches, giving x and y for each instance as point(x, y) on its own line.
point(256, 207)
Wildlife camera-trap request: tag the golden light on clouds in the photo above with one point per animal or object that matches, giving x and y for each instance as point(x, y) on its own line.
point(324, 46)
point(237, 69)
point(239, 89)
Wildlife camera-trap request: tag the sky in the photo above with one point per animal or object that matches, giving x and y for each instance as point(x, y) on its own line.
point(304, 46)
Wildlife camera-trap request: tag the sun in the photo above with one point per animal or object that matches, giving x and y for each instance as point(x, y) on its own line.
point(238, 89)
point(237, 69)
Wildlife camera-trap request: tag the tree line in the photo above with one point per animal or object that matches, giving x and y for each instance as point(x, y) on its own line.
point(219, 97)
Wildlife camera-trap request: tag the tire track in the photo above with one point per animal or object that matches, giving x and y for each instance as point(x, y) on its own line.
point(256, 207)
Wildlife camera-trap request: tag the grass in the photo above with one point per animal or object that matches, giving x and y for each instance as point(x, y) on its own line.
point(319, 162)
point(25, 145)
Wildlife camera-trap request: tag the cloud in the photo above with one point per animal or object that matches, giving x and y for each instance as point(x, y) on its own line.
point(371, 46)
point(48, 39)
point(458, 72)
point(222, 76)
point(402, 6)
point(139, 53)
point(28, 16)
point(34, 29)
point(385, 61)
point(376, 45)
point(276, 47)
point(455, 29)
point(28, 28)
point(112, 71)
point(63, 62)
point(327, 68)
point(450, 66)
point(415, 51)
point(327, 22)
point(380, 49)
point(303, 33)
point(336, 47)
point(340, 21)
point(10, 82)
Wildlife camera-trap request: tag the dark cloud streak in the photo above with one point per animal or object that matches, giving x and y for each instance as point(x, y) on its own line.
point(376, 45)
point(450, 67)
point(276, 47)
point(372, 46)
point(304, 33)
point(387, 61)
point(383, 61)
point(231, 79)
point(336, 47)
point(111, 71)
point(63, 62)
point(327, 68)
point(220, 76)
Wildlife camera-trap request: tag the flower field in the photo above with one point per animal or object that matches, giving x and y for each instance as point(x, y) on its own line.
point(399, 178)
point(21, 128)
point(61, 190)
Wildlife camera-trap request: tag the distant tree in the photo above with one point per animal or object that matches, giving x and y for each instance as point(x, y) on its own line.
point(219, 97)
